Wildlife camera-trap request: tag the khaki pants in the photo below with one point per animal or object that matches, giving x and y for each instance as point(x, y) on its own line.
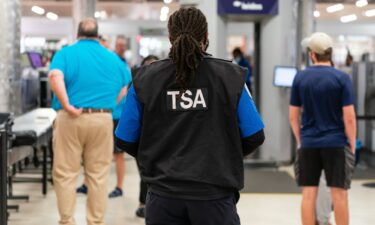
point(88, 137)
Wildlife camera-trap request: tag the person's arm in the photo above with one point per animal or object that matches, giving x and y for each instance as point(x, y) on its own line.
point(349, 117)
point(57, 83)
point(128, 130)
point(350, 125)
point(127, 78)
point(250, 124)
point(295, 111)
point(251, 143)
point(294, 119)
point(122, 93)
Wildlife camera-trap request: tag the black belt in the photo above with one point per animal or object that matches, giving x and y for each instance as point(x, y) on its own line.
point(90, 110)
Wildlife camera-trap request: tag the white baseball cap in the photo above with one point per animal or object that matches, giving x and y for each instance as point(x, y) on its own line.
point(318, 42)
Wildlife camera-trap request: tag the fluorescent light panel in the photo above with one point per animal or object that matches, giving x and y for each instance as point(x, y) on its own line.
point(52, 16)
point(335, 8)
point(348, 18)
point(38, 10)
point(163, 17)
point(370, 13)
point(361, 3)
point(316, 13)
point(165, 10)
point(167, 1)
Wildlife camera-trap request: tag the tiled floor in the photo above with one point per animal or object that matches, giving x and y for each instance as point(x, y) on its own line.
point(254, 209)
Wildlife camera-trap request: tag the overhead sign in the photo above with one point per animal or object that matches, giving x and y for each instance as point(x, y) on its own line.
point(248, 7)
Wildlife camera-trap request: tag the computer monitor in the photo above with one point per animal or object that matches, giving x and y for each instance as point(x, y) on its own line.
point(35, 59)
point(283, 76)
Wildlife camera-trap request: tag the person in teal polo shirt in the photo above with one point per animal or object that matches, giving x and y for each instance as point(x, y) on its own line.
point(88, 80)
point(118, 154)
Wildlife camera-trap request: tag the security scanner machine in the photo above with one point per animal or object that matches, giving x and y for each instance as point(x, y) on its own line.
point(35, 90)
point(364, 87)
point(265, 17)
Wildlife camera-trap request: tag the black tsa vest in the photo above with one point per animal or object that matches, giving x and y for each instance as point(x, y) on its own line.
point(194, 136)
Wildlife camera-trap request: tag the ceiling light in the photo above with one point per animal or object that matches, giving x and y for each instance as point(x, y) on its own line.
point(97, 14)
point(163, 17)
point(316, 14)
point(52, 16)
point(103, 14)
point(38, 10)
point(167, 1)
point(165, 10)
point(348, 18)
point(361, 3)
point(370, 13)
point(335, 8)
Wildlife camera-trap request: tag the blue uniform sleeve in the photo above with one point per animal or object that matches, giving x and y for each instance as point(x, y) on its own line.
point(59, 62)
point(249, 120)
point(295, 98)
point(347, 93)
point(130, 124)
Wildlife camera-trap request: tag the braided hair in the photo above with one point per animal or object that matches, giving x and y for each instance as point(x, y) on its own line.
point(187, 31)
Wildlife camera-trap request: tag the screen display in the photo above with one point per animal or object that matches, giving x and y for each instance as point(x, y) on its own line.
point(284, 76)
point(35, 59)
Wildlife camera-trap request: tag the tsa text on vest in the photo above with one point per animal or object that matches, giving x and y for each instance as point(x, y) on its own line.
point(191, 99)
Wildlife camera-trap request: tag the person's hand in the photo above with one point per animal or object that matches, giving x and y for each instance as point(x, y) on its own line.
point(73, 111)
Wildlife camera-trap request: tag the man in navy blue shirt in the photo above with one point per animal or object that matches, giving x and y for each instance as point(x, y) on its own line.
point(326, 137)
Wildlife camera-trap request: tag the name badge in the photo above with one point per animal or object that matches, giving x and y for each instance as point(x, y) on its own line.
point(191, 99)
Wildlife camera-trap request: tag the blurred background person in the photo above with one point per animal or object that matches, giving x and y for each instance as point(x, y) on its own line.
point(120, 47)
point(104, 42)
point(239, 59)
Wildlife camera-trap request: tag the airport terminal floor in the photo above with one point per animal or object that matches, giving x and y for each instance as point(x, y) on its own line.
point(253, 208)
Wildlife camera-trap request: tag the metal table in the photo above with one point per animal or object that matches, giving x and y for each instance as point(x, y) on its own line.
point(38, 120)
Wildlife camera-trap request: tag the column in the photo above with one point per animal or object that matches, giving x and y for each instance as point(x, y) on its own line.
point(217, 26)
point(278, 47)
point(305, 26)
point(82, 9)
point(10, 67)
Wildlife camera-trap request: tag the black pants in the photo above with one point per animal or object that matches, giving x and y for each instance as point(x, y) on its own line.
point(143, 189)
point(143, 192)
point(168, 211)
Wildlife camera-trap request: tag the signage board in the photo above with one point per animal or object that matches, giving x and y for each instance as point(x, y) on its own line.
point(248, 7)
